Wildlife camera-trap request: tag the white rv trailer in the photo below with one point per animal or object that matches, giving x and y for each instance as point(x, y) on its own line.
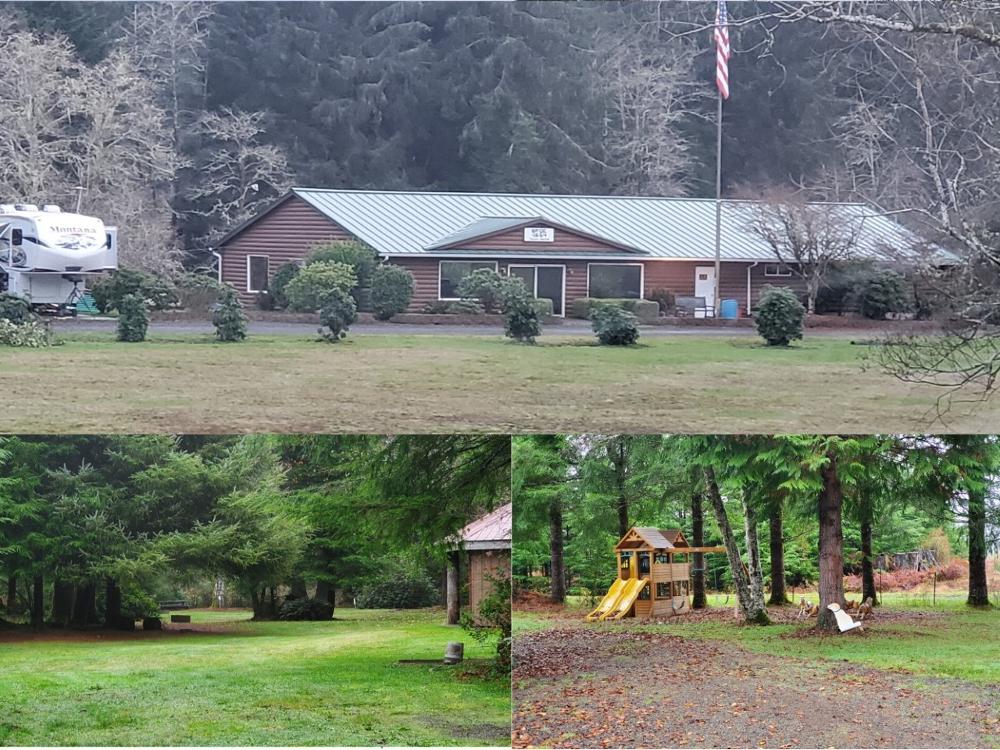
point(46, 255)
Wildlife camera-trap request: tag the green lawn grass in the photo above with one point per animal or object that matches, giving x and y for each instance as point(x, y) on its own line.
point(274, 683)
point(429, 383)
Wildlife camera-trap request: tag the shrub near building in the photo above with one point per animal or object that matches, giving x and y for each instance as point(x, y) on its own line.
point(779, 316)
point(229, 319)
point(133, 318)
point(307, 292)
point(392, 289)
point(615, 326)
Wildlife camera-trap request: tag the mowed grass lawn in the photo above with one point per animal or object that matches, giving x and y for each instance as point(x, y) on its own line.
point(329, 683)
point(442, 383)
point(962, 643)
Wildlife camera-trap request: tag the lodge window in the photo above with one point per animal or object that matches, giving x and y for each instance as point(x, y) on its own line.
point(614, 281)
point(258, 271)
point(776, 269)
point(452, 272)
point(662, 590)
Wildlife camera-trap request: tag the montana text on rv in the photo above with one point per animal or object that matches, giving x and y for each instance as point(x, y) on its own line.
point(46, 254)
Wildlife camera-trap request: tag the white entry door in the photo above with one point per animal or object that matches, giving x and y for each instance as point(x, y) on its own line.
point(704, 284)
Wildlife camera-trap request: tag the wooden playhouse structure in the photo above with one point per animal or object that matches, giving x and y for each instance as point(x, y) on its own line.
point(654, 575)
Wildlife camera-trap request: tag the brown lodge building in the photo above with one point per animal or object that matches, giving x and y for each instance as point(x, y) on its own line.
point(564, 246)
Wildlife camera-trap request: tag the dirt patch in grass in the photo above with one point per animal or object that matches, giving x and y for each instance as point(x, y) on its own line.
point(581, 687)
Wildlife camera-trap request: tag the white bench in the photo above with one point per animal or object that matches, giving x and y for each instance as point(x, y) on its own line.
point(844, 621)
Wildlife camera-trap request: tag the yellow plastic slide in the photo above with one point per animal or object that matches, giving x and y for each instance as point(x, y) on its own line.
point(608, 601)
point(626, 599)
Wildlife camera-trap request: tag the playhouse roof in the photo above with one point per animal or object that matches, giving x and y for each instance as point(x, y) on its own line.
point(647, 536)
point(491, 531)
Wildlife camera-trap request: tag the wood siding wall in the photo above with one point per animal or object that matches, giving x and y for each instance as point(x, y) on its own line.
point(287, 233)
point(481, 563)
point(512, 241)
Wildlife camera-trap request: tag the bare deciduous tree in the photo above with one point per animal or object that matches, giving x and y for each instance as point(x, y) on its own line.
point(651, 91)
point(65, 124)
point(807, 237)
point(241, 172)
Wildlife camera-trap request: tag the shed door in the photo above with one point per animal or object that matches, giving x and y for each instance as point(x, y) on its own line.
point(704, 284)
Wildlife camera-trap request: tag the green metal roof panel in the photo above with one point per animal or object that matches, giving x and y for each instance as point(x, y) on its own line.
point(407, 223)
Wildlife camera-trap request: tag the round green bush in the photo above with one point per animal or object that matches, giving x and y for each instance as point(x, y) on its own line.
point(307, 292)
point(108, 291)
point(522, 321)
point(361, 258)
point(484, 286)
point(882, 293)
point(392, 289)
point(615, 326)
point(229, 319)
point(133, 318)
point(464, 307)
point(780, 316)
point(406, 591)
point(339, 311)
point(15, 309)
point(198, 291)
point(279, 283)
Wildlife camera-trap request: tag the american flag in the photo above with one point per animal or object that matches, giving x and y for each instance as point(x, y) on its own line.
point(722, 52)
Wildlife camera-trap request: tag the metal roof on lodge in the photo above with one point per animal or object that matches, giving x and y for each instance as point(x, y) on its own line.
point(414, 223)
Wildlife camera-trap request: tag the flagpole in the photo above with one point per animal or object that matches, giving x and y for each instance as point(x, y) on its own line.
point(718, 209)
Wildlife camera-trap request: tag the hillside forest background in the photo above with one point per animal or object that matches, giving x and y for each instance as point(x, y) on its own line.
point(179, 119)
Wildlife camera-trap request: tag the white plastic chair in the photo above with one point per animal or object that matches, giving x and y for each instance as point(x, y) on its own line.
point(844, 621)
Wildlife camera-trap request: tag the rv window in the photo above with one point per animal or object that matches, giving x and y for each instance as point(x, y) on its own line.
point(16, 236)
point(257, 273)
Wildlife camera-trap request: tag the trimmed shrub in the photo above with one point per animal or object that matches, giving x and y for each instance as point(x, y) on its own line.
point(32, 333)
point(543, 306)
point(522, 321)
point(615, 326)
point(305, 609)
point(464, 307)
point(361, 258)
point(339, 311)
point(665, 299)
point(779, 316)
point(484, 286)
point(407, 590)
point(308, 291)
point(133, 318)
point(265, 301)
point(392, 289)
point(645, 310)
point(15, 309)
point(198, 291)
point(138, 605)
point(279, 282)
point(437, 307)
point(229, 319)
point(109, 291)
point(882, 293)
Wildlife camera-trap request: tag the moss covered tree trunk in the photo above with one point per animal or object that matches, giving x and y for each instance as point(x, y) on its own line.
point(831, 544)
point(454, 587)
point(698, 599)
point(752, 609)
